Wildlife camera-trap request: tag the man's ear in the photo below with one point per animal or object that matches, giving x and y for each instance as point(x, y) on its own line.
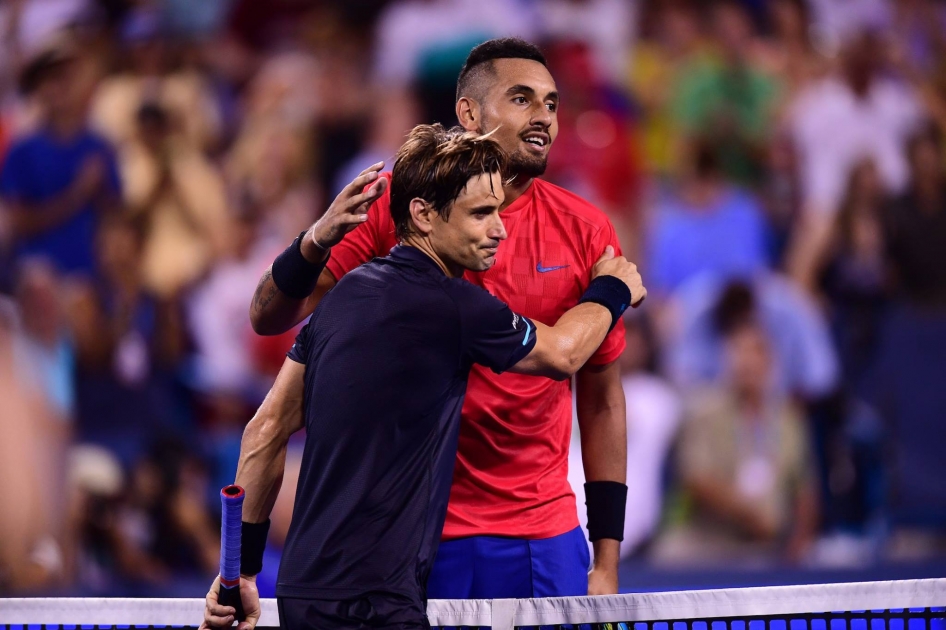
point(468, 113)
point(422, 216)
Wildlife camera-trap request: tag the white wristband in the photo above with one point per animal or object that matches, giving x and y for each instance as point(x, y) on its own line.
point(318, 244)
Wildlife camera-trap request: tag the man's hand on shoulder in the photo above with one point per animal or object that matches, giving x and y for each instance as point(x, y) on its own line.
point(274, 311)
point(348, 211)
point(622, 269)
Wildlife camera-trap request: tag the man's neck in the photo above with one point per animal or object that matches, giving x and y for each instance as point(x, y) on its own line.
point(65, 127)
point(514, 189)
point(423, 244)
point(751, 401)
point(702, 193)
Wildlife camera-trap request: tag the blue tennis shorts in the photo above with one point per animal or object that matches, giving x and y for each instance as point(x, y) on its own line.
point(486, 567)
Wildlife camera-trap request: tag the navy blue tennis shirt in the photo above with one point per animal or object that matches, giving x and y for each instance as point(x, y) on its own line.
point(387, 354)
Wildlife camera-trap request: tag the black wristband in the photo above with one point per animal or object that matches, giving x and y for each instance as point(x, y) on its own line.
point(293, 274)
point(606, 501)
point(609, 292)
point(252, 546)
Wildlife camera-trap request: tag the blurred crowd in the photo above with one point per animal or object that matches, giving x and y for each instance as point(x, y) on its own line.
point(775, 167)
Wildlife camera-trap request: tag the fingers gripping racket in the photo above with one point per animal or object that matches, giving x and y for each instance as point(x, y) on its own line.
point(231, 499)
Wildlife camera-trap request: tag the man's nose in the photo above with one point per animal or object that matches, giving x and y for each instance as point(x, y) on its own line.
point(541, 116)
point(497, 230)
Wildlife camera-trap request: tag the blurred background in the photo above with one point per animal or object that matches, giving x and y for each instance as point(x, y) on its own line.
point(775, 167)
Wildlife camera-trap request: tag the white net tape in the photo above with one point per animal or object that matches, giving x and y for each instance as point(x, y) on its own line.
point(505, 614)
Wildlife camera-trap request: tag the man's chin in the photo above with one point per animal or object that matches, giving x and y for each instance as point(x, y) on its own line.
point(485, 264)
point(521, 165)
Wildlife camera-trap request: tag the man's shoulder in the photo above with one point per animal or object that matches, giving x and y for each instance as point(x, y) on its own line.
point(825, 98)
point(463, 290)
point(26, 143)
point(39, 140)
point(389, 281)
point(372, 269)
point(27, 154)
point(386, 273)
point(471, 303)
point(375, 280)
point(567, 203)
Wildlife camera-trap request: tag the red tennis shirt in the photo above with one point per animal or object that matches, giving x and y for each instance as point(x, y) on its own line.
point(511, 474)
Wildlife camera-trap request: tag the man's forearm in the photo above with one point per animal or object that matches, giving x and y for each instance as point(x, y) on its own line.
point(31, 219)
point(602, 421)
point(263, 449)
point(272, 312)
point(562, 349)
point(607, 554)
point(260, 471)
point(268, 318)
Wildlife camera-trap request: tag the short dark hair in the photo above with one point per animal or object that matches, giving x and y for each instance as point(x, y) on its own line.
point(41, 66)
point(705, 156)
point(735, 308)
point(435, 164)
point(479, 63)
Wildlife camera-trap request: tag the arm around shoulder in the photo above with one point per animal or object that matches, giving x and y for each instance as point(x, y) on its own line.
point(272, 312)
point(292, 287)
point(561, 350)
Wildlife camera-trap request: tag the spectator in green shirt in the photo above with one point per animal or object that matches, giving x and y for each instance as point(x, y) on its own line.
point(729, 98)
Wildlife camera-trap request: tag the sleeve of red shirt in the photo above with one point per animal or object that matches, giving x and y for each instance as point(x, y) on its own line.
point(375, 237)
point(614, 344)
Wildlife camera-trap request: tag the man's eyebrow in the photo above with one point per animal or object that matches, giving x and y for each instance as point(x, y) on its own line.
point(484, 207)
point(520, 89)
point(525, 89)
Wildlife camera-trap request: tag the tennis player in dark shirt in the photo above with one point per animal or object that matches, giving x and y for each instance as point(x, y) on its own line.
point(377, 378)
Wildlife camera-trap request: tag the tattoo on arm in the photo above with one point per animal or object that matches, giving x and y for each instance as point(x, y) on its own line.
point(260, 301)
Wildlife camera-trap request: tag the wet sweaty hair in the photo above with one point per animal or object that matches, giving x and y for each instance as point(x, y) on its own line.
point(435, 164)
point(480, 68)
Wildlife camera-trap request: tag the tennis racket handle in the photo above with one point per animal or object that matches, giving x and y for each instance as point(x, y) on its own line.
point(231, 499)
point(230, 596)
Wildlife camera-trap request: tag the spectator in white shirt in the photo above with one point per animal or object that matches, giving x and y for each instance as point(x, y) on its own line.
point(836, 124)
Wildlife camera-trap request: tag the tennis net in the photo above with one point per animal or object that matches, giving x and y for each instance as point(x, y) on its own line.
point(897, 605)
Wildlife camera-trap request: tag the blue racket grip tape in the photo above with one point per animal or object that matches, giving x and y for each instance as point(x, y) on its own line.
point(231, 500)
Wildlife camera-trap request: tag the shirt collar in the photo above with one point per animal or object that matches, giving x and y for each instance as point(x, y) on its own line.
point(521, 201)
point(414, 258)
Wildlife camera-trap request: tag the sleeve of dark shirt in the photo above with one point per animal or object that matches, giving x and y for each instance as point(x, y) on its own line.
point(298, 350)
point(493, 335)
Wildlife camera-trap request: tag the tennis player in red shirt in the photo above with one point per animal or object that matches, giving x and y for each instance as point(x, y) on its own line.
point(512, 525)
